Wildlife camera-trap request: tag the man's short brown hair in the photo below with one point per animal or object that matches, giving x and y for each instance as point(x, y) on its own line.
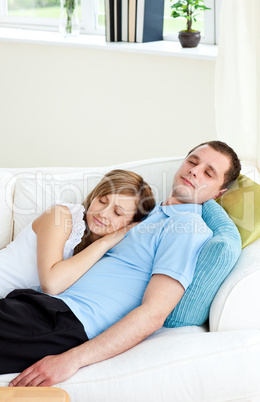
point(233, 172)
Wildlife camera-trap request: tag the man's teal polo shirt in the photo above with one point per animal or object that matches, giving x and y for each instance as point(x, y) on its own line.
point(167, 242)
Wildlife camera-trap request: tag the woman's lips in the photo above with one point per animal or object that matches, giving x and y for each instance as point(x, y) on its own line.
point(98, 222)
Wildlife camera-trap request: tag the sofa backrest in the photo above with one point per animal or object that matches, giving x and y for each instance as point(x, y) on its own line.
point(5, 209)
point(26, 193)
point(29, 192)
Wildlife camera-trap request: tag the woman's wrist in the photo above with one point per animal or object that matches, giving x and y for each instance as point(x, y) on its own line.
point(107, 242)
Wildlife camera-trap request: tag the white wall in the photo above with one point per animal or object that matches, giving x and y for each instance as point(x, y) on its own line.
point(64, 106)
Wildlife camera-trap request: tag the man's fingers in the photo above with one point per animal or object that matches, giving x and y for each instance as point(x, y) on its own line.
point(20, 377)
point(35, 382)
point(30, 380)
point(46, 372)
point(45, 383)
point(31, 377)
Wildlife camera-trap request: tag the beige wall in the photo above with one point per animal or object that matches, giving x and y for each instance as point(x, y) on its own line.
point(64, 106)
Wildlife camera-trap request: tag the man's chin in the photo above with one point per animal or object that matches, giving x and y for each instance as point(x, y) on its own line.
point(183, 197)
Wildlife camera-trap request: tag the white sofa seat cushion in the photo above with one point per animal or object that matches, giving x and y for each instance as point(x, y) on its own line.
point(174, 364)
point(179, 367)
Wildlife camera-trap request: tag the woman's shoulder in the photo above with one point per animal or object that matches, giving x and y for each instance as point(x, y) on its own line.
point(76, 210)
point(78, 226)
point(56, 214)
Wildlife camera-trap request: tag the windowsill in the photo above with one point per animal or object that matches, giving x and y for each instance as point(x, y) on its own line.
point(161, 48)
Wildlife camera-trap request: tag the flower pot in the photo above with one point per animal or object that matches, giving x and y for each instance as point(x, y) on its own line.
point(69, 20)
point(189, 38)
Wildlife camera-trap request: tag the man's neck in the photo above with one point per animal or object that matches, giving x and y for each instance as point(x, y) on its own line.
point(171, 201)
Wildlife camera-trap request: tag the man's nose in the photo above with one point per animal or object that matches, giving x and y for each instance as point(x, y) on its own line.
point(195, 170)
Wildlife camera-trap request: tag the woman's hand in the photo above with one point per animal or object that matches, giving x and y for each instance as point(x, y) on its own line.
point(112, 239)
point(53, 229)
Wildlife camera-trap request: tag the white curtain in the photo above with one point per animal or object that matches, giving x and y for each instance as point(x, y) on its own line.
point(238, 78)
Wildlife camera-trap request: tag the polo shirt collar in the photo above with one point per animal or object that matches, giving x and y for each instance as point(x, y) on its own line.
point(171, 210)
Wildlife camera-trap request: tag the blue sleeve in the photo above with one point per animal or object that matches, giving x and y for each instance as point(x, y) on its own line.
point(180, 243)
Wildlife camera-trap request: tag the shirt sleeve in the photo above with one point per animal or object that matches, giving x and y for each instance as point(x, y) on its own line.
point(180, 243)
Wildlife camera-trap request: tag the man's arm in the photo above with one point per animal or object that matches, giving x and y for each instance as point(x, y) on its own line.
point(161, 296)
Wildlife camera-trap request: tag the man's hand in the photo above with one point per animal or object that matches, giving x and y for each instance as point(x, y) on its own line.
point(161, 296)
point(46, 372)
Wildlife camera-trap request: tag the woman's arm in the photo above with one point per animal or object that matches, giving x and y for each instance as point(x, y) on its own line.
point(53, 228)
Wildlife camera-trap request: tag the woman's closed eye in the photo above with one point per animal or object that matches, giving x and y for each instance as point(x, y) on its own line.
point(117, 213)
point(102, 200)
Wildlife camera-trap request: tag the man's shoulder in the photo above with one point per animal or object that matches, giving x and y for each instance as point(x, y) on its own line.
point(186, 224)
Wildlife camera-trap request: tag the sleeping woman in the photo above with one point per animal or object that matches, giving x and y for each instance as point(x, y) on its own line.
point(59, 246)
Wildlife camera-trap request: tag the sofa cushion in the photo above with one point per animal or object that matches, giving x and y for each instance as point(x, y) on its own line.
point(174, 364)
point(241, 202)
point(236, 306)
point(36, 189)
point(215, 262)
point(6, 200)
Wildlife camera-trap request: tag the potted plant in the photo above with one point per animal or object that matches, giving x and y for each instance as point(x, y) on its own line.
point(188, 9)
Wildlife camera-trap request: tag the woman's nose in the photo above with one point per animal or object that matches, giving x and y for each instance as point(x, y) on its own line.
point(105, 212)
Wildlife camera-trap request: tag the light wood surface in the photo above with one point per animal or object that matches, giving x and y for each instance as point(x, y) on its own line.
point(33, 394)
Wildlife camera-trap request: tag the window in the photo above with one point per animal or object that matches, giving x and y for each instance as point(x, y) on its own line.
point(44, 14)
point(33, 9)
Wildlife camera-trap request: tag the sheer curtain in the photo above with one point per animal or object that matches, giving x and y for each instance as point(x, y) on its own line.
point(238, 78)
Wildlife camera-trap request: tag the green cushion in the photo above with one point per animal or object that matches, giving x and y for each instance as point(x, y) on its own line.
point(242, 204)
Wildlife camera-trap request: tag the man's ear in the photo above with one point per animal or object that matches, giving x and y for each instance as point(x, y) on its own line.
point(220, 193)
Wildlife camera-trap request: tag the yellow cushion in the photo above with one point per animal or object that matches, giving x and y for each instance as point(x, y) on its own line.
point(242, 203)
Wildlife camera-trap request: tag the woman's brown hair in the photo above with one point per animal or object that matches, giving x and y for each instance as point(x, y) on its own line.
point(122, 182)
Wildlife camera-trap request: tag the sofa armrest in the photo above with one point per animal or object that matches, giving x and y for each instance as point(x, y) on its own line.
point(237, 303)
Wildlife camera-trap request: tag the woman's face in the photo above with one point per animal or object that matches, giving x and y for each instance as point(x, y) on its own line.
point(110, 213)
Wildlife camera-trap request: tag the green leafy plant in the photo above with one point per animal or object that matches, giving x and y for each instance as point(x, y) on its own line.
point(70, 6)
point(188, 9)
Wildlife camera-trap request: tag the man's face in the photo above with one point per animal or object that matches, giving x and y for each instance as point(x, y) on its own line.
point(200, 176)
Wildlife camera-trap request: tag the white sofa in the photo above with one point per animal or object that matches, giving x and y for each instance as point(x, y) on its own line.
point(219, 361)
